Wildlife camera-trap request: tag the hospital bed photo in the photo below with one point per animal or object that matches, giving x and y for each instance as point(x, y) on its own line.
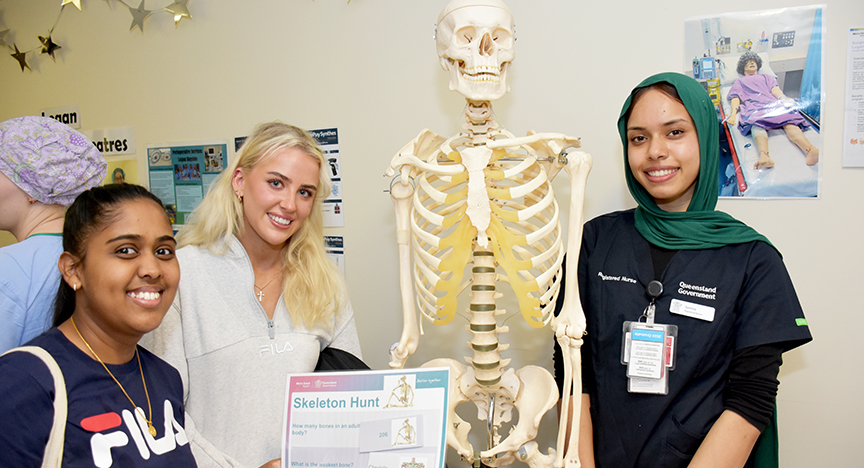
point(790, 176)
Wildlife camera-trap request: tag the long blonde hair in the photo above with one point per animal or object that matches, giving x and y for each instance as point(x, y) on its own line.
point(312, 287)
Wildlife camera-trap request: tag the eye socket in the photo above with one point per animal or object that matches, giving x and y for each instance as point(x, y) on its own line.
point(502, 37)
point(276, 183)
point(306, 193)
point(465, 35)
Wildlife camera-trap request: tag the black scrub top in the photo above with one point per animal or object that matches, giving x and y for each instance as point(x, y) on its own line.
point(753, 302)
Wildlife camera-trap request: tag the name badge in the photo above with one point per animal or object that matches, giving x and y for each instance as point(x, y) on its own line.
point(647, 358)
point(689, 309)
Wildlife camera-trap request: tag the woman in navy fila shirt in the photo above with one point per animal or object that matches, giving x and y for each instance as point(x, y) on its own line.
point(125, 405)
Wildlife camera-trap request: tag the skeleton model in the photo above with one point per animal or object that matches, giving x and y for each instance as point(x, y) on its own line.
point(484, 198)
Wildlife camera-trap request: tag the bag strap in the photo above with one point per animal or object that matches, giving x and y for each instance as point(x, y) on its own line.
point(53, 456)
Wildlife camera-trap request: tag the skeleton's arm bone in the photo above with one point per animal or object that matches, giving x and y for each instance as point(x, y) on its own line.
point(401, 192)
point(569, 326)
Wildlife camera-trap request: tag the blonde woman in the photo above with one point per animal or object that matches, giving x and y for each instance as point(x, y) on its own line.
point(258, 297)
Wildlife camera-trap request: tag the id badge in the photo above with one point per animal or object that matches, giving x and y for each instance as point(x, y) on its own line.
point(647, 354)
point(648, 351)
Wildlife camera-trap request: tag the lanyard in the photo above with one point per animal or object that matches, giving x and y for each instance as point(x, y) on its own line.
point(653, 290)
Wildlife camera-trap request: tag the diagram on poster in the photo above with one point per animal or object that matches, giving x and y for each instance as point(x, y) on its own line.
point(181, 174)
point(328, 140)
point(372, 419)
point(335, 247)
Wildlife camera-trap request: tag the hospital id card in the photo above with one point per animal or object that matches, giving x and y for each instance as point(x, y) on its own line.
point(646, 359)
point(648, 351)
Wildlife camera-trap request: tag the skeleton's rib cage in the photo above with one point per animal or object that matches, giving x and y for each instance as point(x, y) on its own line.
point(513, 208)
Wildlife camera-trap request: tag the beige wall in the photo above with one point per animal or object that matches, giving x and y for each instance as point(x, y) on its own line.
point(369, 68)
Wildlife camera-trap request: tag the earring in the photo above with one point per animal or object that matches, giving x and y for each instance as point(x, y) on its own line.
point(240, 198)
point(75, 287)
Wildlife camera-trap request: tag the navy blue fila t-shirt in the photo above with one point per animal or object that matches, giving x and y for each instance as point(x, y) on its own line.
point(102, 429)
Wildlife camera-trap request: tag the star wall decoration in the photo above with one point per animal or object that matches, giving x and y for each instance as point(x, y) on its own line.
point(21, 57)
point(77, 3)
point(179, 10)
point(138, 16)
point(48, 46)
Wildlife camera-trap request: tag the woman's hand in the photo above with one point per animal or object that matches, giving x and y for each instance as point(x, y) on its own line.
point(276, 463)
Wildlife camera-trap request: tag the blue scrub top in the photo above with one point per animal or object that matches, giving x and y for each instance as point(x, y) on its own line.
point(29, 279)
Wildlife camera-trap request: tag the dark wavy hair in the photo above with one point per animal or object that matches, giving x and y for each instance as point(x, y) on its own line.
point(746, 57)
point(89, 213)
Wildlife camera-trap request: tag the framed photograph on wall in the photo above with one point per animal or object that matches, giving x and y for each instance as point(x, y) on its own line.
point(763, 70)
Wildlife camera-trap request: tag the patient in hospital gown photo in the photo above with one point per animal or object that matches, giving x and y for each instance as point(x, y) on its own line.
point(763, 70)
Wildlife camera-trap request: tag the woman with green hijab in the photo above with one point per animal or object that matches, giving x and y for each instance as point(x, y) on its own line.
point(688, 309)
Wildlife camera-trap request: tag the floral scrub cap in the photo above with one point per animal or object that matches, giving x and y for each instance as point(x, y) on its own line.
point(49, 160)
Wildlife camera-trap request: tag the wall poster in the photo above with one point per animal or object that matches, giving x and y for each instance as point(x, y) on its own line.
point(853, 134)
point(180, 174)
point(770, 112)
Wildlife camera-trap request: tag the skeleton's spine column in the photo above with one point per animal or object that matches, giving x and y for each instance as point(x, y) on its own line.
point(484, 329)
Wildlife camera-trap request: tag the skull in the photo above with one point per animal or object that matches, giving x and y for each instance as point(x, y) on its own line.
point(475, 44)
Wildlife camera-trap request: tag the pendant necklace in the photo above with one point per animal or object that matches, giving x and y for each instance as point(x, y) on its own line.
point(150, 427)
point(260, 292)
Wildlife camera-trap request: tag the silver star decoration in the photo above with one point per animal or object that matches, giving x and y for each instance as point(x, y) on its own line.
point(179, 10)
point(138, 16)
point(77, 3)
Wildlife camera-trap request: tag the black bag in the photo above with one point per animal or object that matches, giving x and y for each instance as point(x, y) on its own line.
point(334, 359)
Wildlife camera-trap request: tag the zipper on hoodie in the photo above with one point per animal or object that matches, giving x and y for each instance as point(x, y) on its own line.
point(271, 328)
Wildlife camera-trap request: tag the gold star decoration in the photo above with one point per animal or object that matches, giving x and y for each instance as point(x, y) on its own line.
point(21, 57)
point(48, 46)
point(179, 10)
point(138, 16)
point(77, 3)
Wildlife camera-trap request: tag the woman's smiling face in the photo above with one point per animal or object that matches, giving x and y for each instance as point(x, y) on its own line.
point(663, 149)
point(278, 195)
point(129, 274)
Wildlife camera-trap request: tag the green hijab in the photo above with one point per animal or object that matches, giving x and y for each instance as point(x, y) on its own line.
point(701, 226)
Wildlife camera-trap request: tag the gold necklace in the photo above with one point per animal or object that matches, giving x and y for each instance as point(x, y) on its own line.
point(260, 292)
point(149, 408)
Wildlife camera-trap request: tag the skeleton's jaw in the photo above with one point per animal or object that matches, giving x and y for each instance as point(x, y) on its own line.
point(478, 83)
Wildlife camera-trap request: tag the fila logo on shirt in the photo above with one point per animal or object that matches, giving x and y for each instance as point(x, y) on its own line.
point(273, 349)
point(101, 443)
